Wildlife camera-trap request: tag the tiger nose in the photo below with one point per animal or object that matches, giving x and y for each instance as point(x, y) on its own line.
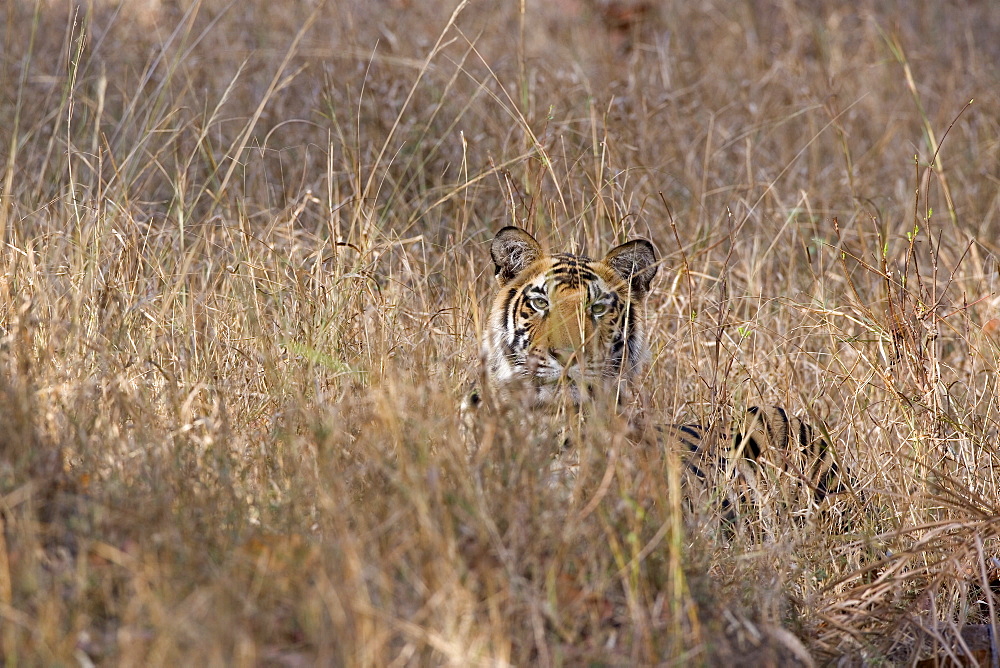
point(567, 342)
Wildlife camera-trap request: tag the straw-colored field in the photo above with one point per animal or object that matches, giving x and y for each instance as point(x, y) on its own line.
point(245, 266)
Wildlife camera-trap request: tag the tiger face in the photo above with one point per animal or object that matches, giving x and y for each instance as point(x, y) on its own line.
point(565, 325)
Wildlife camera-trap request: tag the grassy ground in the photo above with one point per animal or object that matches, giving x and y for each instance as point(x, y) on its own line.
point(244, 270)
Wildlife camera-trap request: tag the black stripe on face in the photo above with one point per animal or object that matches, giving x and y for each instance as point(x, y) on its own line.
point(522, 321)
point(509, 298)
point(569, 258)
point(596, 294)
point(523, 312)
point(513, 302)
point(572, 275)
point(618, 321)
point(520, 339)
point(571, 270)
point(532, 291)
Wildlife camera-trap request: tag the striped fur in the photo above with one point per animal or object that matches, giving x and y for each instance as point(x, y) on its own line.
point(766, 444)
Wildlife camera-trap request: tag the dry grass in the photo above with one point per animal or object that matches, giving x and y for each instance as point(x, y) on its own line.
point(244, 271)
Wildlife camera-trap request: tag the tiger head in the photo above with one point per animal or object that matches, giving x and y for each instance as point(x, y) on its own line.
point(564, 325)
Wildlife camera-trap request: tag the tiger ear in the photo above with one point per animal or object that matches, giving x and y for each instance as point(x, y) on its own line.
point(635, 262)
point(513, 250)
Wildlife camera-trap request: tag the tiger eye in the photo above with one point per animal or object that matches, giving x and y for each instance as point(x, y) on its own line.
point(538, 303)
point(599, 309)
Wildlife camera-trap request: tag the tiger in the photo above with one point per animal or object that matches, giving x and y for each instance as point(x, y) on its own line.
point(565, 323)
point(564, 328)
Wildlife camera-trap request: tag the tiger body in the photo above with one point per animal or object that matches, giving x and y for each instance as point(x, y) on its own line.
point(567, 329)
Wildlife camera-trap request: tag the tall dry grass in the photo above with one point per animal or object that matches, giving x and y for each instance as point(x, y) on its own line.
point(245, 265)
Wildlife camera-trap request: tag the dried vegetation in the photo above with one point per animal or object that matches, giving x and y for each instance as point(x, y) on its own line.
point(245, 266)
